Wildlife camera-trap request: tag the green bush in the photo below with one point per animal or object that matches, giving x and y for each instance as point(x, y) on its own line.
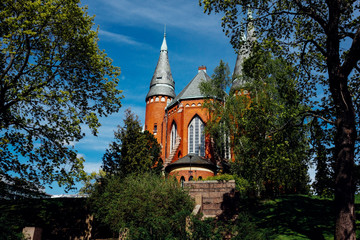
point(10, 227)
point(242, 185)
point(211, 229)
point(150, 206)
point(221, 177)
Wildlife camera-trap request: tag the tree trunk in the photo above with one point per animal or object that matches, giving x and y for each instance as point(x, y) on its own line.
point(344, 153)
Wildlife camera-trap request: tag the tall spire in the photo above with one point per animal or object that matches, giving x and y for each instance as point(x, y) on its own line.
point(243, 54)
point(162, 83)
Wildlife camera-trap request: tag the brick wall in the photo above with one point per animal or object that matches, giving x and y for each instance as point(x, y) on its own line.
point(216, 196)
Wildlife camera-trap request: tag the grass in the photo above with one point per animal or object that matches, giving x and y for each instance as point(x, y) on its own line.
point(294, 217)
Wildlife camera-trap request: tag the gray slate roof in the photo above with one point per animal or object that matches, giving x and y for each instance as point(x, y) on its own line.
point(244, 53)
point(162, 83)
point(191, 91)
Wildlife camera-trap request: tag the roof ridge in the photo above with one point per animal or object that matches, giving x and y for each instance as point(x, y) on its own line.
point(194, 92)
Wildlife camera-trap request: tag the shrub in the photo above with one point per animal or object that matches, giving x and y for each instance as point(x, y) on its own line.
point(149, 206)
point(242, 185)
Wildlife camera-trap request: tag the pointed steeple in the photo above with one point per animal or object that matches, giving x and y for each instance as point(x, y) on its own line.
point(162, 83)
point(243, 54)
point(164, 45)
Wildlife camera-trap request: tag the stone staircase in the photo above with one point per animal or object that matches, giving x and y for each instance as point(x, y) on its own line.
point(214, 197)
point(173, 152)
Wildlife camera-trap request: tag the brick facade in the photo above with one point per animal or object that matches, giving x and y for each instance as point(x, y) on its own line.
point(172, 117)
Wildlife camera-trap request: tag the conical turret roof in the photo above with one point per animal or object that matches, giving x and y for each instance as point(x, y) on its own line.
point(243, 54)
point(162, 83)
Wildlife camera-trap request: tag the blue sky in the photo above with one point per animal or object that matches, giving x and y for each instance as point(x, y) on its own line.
point(131, 33)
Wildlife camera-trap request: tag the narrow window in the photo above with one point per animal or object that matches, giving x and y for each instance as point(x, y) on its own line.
point(191, 141)
point(196, 136)
point(155, 128)
point(173, 137)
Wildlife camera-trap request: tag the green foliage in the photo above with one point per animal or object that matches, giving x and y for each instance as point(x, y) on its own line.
point(242, 185)
point(241, 228)
point(10, 227)
point(54, 80)
point(266, 134)
point(221, 177)
point(150, 206)
point(215, 92)
point(90, 179)
point(59, 218)
point(324, 177)
point(133, 151)
point(322, 39)
point(202, 229)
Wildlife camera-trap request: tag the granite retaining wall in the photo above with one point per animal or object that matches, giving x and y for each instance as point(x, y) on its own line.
point(215, 197)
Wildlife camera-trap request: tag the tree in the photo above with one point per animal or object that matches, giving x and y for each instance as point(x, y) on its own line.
point(324, 177)
point(148, 205)
point(268, 143)
point(133, 151)
point(54, 80)
point(218, 125)
point(322, 38)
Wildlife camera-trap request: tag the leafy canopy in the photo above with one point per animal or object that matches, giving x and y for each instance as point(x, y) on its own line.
point(54, 80)
point(323, 39)
point(260, 119)
point(150, 206)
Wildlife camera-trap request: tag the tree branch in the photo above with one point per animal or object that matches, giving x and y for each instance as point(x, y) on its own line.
point(12, 58)
point(352, 57)
point(311, 13)
point(26, 61)
point(318, 47)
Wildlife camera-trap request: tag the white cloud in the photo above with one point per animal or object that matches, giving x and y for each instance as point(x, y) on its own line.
point(115, 37)
point(106, 132)
point(90, 167)
point(183, 14)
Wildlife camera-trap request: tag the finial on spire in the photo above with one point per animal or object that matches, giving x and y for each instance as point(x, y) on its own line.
point(249, 14)
point(164, 45)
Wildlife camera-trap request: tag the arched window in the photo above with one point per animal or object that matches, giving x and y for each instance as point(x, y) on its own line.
point(196, 136)
point(182, 180)
point(191, 178)
point(200, 178)
point(173, 136)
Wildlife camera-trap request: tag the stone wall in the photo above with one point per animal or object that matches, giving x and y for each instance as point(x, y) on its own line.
point(215, 197)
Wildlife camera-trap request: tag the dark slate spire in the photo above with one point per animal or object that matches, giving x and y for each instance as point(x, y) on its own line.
point(243, 54)
point(162, 83)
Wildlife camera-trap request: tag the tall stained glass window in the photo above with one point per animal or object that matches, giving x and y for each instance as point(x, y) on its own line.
point(173, 136)
point(196, 136)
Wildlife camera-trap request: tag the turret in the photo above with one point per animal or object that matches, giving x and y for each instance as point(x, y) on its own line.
point(243, 54)
point(162, 83)
point(161, 92)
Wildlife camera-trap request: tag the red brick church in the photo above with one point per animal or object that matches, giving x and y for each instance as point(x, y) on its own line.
point(178, 121)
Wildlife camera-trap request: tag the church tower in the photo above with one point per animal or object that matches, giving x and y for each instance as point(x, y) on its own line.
point(243, 54)
point(161, 92)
